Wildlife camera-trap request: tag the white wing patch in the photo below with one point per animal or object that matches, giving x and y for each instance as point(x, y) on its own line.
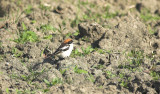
point(66, 47)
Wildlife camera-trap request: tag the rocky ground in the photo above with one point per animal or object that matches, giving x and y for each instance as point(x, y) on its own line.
point(117, 46)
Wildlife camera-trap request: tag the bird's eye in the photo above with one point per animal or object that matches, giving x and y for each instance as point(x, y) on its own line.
point(70, 42)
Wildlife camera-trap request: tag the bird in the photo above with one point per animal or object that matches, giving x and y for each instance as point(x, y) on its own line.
point(65, 48)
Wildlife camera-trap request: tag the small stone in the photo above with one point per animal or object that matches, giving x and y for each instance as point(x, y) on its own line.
point(112, 87)
point(82, 90)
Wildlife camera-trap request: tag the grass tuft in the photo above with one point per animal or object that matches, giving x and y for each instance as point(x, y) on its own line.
point(53, 82)
point(79, 71)
point(27, 36)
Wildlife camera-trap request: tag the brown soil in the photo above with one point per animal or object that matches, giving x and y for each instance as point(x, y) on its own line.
point(118, 29)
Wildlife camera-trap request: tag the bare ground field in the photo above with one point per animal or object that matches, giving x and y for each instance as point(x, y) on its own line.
point(117, 46)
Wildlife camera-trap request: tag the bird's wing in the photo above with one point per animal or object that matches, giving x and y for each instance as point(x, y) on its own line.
point(62, 47)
